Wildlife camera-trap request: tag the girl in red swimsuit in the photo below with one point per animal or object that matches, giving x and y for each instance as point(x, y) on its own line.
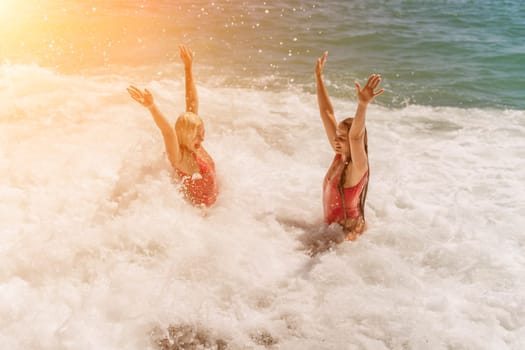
point(190, 161)
point(346, 182)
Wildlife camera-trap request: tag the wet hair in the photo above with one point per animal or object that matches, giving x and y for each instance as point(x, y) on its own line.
point(362, 198)
point(186, 129)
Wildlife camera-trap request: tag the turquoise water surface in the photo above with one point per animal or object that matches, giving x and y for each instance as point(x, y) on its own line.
point(439, 53)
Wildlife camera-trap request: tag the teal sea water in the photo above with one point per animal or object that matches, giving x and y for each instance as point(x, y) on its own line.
point(438, 53)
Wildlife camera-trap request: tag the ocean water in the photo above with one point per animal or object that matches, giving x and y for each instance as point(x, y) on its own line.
point(98, 249)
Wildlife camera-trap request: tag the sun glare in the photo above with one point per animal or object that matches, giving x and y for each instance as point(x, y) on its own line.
point(7, 9)
point(9, 19)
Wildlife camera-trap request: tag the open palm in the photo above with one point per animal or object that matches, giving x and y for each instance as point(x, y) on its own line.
point(186, 55)
point(145, 97)
point(367, 93)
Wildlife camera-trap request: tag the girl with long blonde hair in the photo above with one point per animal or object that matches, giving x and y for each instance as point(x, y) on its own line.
point(183, 143)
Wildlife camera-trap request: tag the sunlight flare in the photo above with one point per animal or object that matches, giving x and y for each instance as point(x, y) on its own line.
point(7, 9)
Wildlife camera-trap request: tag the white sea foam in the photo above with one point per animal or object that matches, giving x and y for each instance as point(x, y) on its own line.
point(98, 248)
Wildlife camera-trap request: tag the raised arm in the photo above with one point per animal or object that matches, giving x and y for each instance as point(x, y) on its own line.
point(145, 98)
point(325, 105)
point(356, 133)
point(192, 100)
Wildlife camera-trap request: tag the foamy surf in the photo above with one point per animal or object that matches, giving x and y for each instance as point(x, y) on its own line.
point(100, 250)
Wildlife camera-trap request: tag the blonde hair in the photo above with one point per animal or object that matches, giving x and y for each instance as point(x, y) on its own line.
point(186, 129)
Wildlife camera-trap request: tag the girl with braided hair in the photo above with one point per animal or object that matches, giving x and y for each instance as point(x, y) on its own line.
point(346, 182)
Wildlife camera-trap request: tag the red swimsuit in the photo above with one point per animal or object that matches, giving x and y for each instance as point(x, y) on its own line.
point(200, 188)
point(333, 206)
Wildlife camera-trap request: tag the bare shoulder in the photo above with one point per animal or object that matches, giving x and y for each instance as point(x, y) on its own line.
point(205, 156)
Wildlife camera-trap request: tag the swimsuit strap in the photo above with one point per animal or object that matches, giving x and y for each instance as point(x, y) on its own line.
point(200, 163)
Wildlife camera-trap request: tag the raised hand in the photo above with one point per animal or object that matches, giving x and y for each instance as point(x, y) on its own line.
point(367, 94)
point(320, 64)
point(145, 97)
point(186, 55)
